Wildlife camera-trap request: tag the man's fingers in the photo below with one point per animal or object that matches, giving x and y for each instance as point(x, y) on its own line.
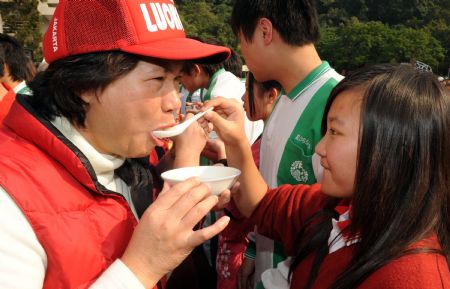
point(168, 197)
point(200, 236)
point(197, 212)
point(195, 200)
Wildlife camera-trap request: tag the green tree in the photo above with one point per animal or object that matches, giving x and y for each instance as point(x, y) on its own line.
point(440, 29)
point(208, 19)
point(357, 44)
point(21, 18)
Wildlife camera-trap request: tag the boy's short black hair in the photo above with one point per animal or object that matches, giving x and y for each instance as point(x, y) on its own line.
point(15, 58)
point(209, 68)
point(295, 20)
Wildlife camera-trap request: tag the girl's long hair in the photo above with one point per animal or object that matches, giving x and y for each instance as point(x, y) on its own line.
point(263, 86)
point(402, 182)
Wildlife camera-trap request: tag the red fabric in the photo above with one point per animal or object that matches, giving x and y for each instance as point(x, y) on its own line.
point(82, 229)
point(5, 104)
point(158, 152)
point(291, 206)
point(255, 151)
point(233, 240)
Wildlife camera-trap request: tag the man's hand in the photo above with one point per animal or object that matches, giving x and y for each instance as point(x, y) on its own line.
point(164, 236)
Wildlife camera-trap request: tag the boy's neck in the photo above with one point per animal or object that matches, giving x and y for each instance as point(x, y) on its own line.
point(204, 79)
point(295, 64)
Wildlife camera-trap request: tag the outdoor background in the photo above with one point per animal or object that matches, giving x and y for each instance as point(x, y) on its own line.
point(354, 32)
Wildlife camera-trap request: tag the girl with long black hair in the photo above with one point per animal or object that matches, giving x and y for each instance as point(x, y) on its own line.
point(380, 218)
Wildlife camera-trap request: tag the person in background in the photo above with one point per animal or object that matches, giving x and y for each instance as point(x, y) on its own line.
point(16, 70)
point(379, 217)
point(277, 42)
point(234, 65)
point(76, 185)
point(218, 82)
point(259, 99)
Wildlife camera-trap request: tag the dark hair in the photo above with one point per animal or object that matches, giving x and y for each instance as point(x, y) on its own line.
point(295, 20)
point(16, 59)
point(2, 60)
point(209, 68)
point(57, 90)
point(234, 64)
point(264, 86)
point(402, 180)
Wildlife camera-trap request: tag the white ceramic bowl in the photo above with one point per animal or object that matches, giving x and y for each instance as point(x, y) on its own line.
point(219, 178)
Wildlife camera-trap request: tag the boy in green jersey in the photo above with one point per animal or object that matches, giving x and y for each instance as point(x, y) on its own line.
point(277, 40)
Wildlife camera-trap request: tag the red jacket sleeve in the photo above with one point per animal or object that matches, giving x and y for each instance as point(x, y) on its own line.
point(283, 211)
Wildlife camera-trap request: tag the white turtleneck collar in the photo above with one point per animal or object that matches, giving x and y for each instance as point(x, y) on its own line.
point(103, 164)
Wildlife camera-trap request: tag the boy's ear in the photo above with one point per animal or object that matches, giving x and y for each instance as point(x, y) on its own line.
point(273, 95)
point(196, 69)
point(265, 25)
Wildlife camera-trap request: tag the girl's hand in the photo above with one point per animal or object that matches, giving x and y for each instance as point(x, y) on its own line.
point(214, 150)
point(227, 118)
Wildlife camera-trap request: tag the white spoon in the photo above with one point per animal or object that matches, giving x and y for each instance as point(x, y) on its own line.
point(179, 128)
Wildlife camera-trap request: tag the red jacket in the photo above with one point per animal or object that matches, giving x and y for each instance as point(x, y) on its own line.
point(81, 225)
point(282, 213)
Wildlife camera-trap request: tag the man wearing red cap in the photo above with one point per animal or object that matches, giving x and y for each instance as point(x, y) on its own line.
point(75, 184)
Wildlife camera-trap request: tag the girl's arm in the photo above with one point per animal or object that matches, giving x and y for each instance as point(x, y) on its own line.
point(228, 121)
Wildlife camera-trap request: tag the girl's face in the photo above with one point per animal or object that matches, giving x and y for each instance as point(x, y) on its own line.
point(262, 101)
point(339, 147)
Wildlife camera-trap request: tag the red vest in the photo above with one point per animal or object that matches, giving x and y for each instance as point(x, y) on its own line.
point(6, 102)
point(82, 226)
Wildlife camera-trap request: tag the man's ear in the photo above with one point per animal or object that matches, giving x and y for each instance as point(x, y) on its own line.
point(88, 96)
point(265, 25)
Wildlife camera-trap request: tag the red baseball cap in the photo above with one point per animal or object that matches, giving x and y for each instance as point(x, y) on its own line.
point(144, 27)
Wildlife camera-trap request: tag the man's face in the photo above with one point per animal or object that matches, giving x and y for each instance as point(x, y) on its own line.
point(120, 119)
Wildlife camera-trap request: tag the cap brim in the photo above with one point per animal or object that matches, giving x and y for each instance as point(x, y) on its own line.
point(181, 49)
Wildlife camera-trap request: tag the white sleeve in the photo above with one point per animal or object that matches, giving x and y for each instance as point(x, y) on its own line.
point(117, 276)
point(229, 86)
point(23, 261)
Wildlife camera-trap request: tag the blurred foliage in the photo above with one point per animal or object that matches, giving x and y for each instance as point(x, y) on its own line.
point(357, 44)
point(208, 19)
point(21, 19)
point(354, 32)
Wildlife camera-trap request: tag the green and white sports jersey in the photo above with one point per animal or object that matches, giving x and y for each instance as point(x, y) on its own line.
point(287, 146)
